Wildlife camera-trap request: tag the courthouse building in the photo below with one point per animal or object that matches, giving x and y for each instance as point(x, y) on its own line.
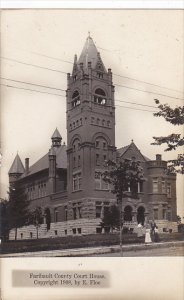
point(66, 182)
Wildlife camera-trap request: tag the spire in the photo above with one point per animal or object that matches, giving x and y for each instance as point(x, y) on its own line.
point(17, 166)
point(56, 138)
point(90, 54)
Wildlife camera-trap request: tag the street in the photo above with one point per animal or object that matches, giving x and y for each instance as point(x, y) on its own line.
point(164, 251)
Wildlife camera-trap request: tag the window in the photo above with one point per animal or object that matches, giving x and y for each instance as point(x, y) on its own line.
point(155, 185)
point(74, 213)
point(100, 184)
point(104, 145)
point(108, 123)
point(168, 190)
point(74, 162)
point(100, 97)
point(79, 161)
point(56, 215)
point(79, 230)
point(77, 182)
point(92, 120)
point(65, 231)
point(55, 231)
point(164, 213)
point(98, 209)
point(105, 158)
point(163, 187)
point(97, 144)
point(80, 121)
point(75, 99)
point(74, 230)
point(97, 121)
point(169, 215)
point(97, 159)
point(21, 235)
point(99, 230)
point(31, 235)
point(99, 75)
point(66, 212)
point(155, 214)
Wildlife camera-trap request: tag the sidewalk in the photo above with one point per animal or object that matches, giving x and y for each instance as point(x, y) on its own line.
point(95, 250)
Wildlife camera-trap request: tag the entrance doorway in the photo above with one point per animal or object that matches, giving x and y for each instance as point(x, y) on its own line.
point(140, 215)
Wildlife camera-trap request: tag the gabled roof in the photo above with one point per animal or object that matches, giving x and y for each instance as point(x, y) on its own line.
point(130, 151)
point(56, 134)
point(43, 163)
point(17, 166)
point(90, 54)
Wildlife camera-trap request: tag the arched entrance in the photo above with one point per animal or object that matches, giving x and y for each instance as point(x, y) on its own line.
point(140, 215)
point(48, 217)
point(128, 213)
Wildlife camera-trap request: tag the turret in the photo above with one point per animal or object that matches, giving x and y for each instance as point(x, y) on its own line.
point(16, 170)
point(56, 139)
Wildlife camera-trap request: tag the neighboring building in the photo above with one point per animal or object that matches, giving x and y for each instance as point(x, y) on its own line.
point(66, 183)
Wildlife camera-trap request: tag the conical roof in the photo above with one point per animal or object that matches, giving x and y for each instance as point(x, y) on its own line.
point(89, 54)
point(17, 166)
point(56, 134)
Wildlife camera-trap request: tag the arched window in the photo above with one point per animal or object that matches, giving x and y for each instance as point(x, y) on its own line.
point(100, 97)
point(128, 213)
point(75, 99)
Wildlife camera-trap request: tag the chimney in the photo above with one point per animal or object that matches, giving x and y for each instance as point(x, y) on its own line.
point(27, 165)
point(158, 157)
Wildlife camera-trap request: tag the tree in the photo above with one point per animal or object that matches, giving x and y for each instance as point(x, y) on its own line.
point(121, 176)
point(174, 116)
point(178, 219)
point(18, 212)
point(111, 218)
point(4, 229)
point(36, 218)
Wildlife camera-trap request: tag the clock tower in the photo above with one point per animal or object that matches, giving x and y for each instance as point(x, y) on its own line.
point(90, 132)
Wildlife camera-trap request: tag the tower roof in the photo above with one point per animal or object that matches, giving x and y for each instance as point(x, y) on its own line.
point(89, 54)
point(56, 134)
point(17, 166)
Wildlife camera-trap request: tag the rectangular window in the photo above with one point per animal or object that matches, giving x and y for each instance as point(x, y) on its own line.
point(56, 215)
point(74, 230)
point(155, 214)
point(155, 185)
point(74, 213)
point(79, 161)
point(164, 214)
point(97, 144)
point(66, 213)
point(163, 187)
point(169, 190)
point(169, 215)
point(77, 182)
point(97, 159)
point(98, 209)
point(100, 184)
point(79, 230)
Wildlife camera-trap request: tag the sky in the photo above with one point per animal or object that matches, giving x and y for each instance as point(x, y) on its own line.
point(144, 46)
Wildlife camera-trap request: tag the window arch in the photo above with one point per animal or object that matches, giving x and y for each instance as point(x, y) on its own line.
point(75, 99)
point(100, 97)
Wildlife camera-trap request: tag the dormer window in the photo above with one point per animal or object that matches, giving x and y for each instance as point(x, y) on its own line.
point(75, 99)
point(100, 97)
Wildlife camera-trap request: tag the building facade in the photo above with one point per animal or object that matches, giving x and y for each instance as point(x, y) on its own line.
point(67, 183)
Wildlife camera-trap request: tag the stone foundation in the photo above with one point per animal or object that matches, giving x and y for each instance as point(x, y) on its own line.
point(59, 229)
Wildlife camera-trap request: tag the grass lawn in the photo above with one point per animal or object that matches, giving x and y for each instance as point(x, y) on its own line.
point(69, 242)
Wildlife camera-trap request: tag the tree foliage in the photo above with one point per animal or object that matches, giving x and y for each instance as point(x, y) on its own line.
point(36, 218)
point(175, 116)
point(18, 212)
point(111, 218)
point(123, 175)
point(4, 228)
